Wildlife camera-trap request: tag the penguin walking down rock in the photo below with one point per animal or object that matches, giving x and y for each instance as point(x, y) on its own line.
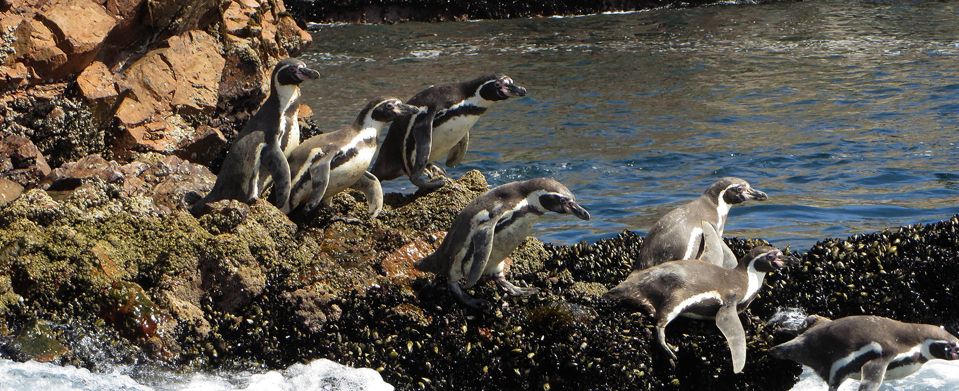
point(490, 228)
point(678, 234)
point(258, 150)
point(867, 348)
point(699, 290)
point(412, 143)
point(329, 163)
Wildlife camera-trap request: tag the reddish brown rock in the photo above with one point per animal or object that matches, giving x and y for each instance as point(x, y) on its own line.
point(398, 265)
point(15, 75)
point(21, 161)
point(80, 27)
point(152, 83)
point(39, 48)
point(195, 60)
point(71, 175)
point(96, 83)
point(171, 179)
point(205, 145)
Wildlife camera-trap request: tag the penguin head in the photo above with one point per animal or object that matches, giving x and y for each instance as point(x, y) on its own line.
point(555, 197)
point(767, 259)
point(497, 87)
point(292, 71)
point(943, 349)
point(389, 109)
point(734, 191)
point(382, 110)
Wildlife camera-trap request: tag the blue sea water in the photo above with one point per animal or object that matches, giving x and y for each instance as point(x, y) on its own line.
point(846, 113)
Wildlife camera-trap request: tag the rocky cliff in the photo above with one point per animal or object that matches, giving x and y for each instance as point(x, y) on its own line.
point(123, 77)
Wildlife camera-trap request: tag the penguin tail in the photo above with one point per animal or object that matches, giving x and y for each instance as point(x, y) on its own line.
point(427, 264)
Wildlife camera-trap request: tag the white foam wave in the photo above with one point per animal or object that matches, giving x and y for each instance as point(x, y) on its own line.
point(320, 375)
point(935, 375)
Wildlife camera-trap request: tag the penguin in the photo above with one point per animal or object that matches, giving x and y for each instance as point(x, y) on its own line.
point(678, 234)
point(866, 347)
point(490, 228)
point(260, 144)
point(700, 290)
point(329, 163)
point(412, 143)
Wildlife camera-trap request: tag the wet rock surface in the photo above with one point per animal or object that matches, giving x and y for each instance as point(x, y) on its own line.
point(244, 287)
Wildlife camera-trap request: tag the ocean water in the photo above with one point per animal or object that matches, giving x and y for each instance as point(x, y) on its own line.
point(846, 113)
point(319, 375)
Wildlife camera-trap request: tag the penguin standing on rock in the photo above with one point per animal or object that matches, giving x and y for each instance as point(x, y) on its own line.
point(329, 163)
point(490, 228)
point(258, 150)
point(699, 290)
point(442, 130)
point(870, 348)
point(679, 234)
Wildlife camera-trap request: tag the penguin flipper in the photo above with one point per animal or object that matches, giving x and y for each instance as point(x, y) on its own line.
point(727, 319)
point(275, 162)
point(872, 374)
point(320, 176)
point(370, 186)
point(423, 138)
point(729, 259)
point(482, 242)
point(456, 154)
point(712, 245)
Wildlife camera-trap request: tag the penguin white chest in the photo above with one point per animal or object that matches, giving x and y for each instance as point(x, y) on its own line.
point(449, 133)
point(350, 171)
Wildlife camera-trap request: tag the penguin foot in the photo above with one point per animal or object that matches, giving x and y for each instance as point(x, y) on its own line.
point(433, 171)
point(470, 301)
point(514, 290)
point(346, 220)
point(435, 183)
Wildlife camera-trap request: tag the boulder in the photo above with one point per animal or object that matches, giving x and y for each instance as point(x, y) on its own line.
point(38, 48)
point(71, 175)
point(195, 60)
point(96, 83)
point(203, 146)
point(80, 27)
point(9, 191)
point(21, 161)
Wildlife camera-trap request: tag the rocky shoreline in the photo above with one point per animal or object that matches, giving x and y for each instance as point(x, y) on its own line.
point(116, 260)
point(107, 124)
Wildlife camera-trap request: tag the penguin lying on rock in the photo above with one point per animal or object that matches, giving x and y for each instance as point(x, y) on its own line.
point(490, 228)
point(678, 234)
point(870, 348)
point(442, 130)
point(699, 290)
point(329, 163)
point(258, 150)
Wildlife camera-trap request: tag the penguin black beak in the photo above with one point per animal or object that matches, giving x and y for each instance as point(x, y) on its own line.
point(515, 90)
point(304, 73)
point(406, 109)
point(757, 195)
point(576, 210)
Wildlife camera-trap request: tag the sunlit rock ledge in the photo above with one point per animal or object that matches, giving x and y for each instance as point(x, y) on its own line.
point(111, 269)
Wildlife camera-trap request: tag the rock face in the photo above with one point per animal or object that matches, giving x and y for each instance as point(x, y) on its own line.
point(107, 251)
point(150, 76)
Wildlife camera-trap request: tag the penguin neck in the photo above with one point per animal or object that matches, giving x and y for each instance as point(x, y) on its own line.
point(367, 127)
point(285, 95)
point(476, 100)
point(754, 279)
point(722, 210)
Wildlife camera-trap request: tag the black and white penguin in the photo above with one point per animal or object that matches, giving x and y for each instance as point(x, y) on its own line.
point(678, 234)
point(699, 290)
point(870, 348)
point(329, 163)
point(442, 130)
point(490, 228)
point(258, 151)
